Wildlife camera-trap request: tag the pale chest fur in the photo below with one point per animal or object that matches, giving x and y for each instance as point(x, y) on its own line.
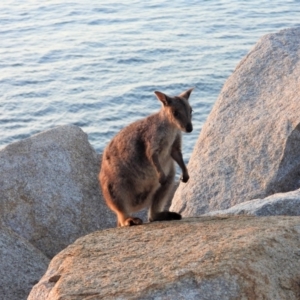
point(167, 139)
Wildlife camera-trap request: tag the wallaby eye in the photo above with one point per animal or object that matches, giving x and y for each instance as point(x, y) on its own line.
point(175, 113)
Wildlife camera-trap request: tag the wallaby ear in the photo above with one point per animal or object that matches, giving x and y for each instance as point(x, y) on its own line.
point(162, 97)
point(186, 94)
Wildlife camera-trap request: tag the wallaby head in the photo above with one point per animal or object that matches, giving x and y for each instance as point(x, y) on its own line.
point(177, 109)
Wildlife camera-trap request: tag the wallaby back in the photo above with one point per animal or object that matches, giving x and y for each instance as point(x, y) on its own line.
point(138, 168)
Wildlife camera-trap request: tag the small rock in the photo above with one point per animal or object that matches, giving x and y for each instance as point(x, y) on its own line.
point(287, 204)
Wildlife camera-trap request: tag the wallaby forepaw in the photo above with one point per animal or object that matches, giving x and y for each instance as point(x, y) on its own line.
point(133, 222)
point(185, 177)
point(165, 216)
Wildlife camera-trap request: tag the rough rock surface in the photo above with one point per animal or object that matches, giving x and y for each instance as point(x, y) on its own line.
point(198, 258)
point(49, 189)
point(278, 204)
point(249, 146)
point(21, 265)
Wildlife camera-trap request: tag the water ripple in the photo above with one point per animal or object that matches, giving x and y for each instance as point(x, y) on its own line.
point(96, 64)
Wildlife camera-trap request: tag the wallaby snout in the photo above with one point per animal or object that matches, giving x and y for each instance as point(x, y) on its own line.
point(189, 127)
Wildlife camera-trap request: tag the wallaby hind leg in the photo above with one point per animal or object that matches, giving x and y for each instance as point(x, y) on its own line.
point(124, 220)
point(160, 198)
point(116, 204)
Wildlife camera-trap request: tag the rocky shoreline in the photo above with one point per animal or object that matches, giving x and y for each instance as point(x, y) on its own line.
point(57, 237)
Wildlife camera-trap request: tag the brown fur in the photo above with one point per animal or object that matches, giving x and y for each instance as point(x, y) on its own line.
point(138, 167)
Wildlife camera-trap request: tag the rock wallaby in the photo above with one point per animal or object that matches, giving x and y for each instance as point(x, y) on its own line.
point(138, 168)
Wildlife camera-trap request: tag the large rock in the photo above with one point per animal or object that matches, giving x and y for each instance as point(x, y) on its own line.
point(21, 265)
point(249, 145)
point(287, 204)
point(201, 258)
point(49, 189)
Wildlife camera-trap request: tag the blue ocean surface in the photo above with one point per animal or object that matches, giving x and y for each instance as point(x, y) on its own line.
point(96, 64)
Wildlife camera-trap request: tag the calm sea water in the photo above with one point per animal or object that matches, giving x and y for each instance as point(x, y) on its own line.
point(96, 64)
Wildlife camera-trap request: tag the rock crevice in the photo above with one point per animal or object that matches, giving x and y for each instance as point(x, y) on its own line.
point(288, 174)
